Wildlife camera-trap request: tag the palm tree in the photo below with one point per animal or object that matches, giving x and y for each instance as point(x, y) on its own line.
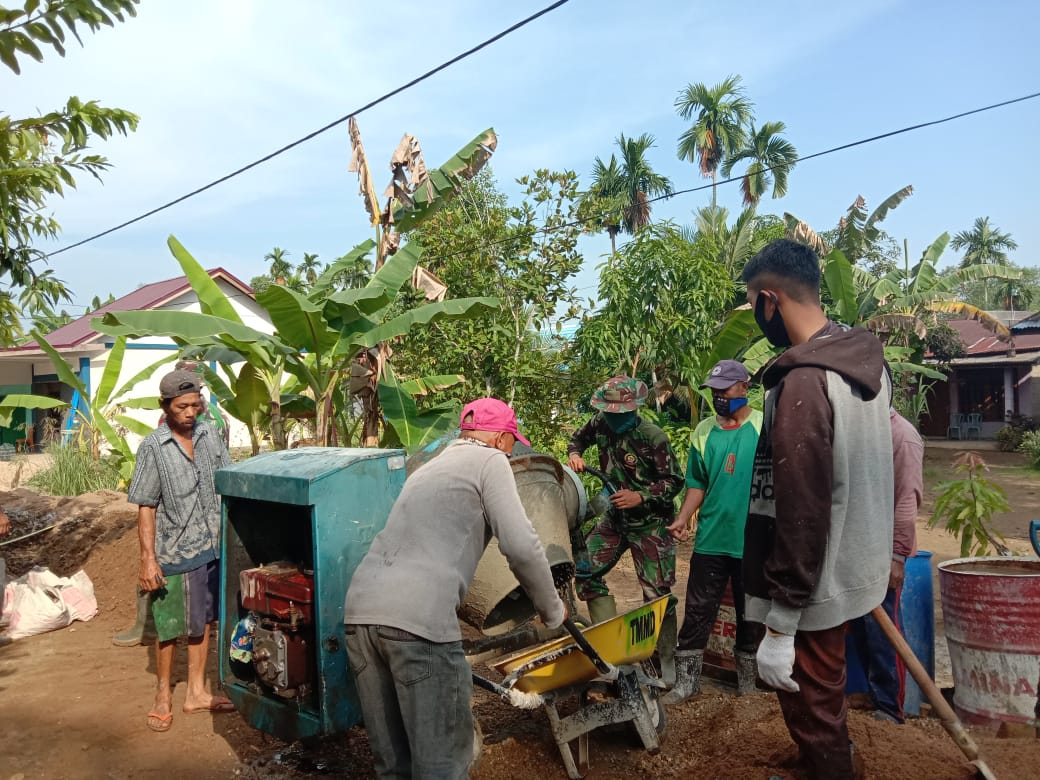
point(621, 191)
point(984, 244)
point(770, 159)
point(604, 198)
point(720, 114)
point(281, 268)
point(308, 267)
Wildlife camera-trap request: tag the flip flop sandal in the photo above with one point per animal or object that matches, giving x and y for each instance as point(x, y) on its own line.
point(165, 721)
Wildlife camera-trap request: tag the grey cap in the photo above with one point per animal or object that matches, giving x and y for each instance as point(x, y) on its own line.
point(725, 374)
point(178, 383)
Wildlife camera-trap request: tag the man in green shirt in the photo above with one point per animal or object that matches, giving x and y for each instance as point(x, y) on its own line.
point(718, 482)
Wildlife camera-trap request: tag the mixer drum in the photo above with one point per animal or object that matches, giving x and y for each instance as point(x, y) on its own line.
point(495, 603)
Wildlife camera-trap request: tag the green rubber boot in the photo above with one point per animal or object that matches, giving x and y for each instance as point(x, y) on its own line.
point(602, 608)
point(143, 628)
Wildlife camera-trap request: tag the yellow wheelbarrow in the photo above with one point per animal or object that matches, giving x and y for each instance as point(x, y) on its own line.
point(609, 659)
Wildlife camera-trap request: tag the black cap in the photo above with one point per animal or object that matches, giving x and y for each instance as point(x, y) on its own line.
point(178, 383)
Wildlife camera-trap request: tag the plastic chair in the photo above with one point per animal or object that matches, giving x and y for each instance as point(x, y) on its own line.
point(956, 426)
point(973, 423)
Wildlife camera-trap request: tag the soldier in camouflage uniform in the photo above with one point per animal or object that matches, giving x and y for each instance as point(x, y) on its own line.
point(637, 457)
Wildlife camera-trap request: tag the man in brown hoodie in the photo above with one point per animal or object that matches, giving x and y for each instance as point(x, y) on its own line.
point(818, 539)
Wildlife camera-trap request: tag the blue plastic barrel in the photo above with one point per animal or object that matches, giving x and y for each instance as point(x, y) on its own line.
point(918, 619)
point(917, 616)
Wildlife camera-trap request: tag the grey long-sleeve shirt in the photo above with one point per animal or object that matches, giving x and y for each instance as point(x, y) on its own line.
point(416, 573)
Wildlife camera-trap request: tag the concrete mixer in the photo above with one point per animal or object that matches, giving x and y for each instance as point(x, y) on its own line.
point(295, 525)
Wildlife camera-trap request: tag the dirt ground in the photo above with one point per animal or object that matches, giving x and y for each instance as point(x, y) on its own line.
point(74, 705)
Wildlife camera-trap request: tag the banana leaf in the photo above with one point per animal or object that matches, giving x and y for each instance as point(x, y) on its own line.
point(212, 299)
point(15, 401)
point(837, 273)
point(346, 263)
point(412, 429)
point(187, 327)
point(445, 181)
point(297, 319)
point(455, 309)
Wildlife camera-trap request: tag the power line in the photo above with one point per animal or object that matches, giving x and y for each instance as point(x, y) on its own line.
point(732, 179)
point(371, 104)
point(575, 223)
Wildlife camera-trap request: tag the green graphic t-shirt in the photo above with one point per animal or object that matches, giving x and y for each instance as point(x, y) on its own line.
point(720, 464)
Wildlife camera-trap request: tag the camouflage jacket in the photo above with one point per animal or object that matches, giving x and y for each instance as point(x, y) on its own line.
point(641, 459)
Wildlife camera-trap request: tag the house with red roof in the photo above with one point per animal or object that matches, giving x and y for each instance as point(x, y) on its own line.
point(994, 379)
point(28, 369)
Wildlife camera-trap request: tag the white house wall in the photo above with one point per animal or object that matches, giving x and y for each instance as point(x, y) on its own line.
point(15, 374)
point(141, 353)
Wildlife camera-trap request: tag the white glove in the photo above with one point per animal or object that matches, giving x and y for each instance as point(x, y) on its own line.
point(776, 661)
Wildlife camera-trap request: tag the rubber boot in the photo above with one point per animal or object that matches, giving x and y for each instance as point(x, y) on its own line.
point(688, 664)
point(747, 673)
point(142, 629)
point(666, 647)
point(602, 608)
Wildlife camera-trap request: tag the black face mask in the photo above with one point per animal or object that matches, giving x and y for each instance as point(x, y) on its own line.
point(727, 407)
point(774, 330)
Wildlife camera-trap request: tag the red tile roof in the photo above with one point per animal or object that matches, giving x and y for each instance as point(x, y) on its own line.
point(150, 296)
point(979, 341)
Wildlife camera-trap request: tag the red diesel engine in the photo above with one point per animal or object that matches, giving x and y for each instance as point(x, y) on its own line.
point(281, 596)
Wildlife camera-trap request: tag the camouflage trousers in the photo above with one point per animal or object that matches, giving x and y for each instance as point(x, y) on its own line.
point(653, 553)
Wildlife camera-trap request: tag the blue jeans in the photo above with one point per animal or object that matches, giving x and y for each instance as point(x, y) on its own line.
point(885, 670)
point(415, 698)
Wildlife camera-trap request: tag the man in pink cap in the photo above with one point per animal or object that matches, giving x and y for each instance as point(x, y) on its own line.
point(403, 640)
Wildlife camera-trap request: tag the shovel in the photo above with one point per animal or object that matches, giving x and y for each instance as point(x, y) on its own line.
point(945, 712)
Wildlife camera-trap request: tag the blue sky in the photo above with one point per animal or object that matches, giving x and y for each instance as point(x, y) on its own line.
point(218, 83)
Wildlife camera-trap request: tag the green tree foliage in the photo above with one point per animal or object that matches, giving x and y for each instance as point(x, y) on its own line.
point(720, 116)
point(663, 299)
point(983, 243)
point(965, 507)
point(525, 255)
point(621, 190)
point(48, 22)
point(41, 156)
point(769, 157)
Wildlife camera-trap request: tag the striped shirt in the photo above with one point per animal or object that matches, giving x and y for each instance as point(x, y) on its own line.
point(187, 509)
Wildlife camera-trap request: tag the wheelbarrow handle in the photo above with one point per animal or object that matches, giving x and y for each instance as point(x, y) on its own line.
point(601, 666)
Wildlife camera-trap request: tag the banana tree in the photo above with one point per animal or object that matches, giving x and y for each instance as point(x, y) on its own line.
point(316, 338)
point(99, 414)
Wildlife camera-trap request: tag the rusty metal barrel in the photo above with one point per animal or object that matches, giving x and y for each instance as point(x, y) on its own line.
point(495, 603)
point(991, 614)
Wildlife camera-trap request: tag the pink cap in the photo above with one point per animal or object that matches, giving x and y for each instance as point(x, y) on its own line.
point(490, 414)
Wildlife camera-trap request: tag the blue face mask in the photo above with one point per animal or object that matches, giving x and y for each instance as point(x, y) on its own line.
point(621, 422)
point(727, 407)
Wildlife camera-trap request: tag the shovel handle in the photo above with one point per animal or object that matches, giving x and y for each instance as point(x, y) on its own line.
point(601, 666)
point(942, 708)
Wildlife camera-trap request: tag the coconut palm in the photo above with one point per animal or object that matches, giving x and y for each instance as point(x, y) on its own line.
point(281, 269)
point(984, 243)
point(770, 158)
point(604, 198)
point(621, 190)
point(308, 267)
point(721, 114)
